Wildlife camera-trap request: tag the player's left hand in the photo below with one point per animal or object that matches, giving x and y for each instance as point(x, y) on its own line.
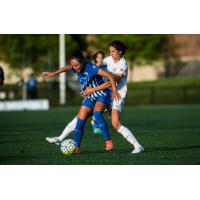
point(48, 74)
point(88, 91)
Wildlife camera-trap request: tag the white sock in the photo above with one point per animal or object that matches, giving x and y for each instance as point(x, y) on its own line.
point(69, 128)
point(129, 136)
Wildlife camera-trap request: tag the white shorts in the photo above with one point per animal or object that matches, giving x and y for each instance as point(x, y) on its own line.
point(117, 105)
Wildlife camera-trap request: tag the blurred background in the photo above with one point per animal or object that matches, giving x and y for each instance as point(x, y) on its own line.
point(163, 69)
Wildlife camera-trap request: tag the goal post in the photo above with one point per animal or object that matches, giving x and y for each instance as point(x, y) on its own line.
point(62, 77)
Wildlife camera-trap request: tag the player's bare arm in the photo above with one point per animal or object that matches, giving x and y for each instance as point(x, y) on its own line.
point(61, 70)
point(109, 76)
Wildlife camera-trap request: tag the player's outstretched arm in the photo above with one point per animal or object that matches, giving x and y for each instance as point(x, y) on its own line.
point(109, 76)
point(61, 70)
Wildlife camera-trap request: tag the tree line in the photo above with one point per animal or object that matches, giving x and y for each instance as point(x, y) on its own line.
point(40, 51)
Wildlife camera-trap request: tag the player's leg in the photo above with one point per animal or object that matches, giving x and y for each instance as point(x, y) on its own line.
point(95, 127)
point(79, 129)
point(84, 112)
point(124, 131)
point(70, 126)
point(68, 129)
point(102, 124)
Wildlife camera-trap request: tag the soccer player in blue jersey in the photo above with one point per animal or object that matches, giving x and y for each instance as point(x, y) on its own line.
point(98, 61)
point(90, 76)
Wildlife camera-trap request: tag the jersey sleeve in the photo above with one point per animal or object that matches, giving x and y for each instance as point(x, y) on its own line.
point(94, 70)
point(104, 67)
point(105, 61)
point(122, 69)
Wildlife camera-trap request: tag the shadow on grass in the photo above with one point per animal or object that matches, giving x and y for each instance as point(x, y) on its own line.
point(146, 150)
point(154, 149)
point(127, 150)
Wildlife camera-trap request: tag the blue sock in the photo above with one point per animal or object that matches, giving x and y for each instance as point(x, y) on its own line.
point(78, 131)
point(95, 125)
point(102, 124)
point(93, 122)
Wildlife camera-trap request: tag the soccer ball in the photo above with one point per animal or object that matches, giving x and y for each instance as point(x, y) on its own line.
point(68, 146)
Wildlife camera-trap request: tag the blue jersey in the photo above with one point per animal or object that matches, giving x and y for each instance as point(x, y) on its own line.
point(32, 84)
point(88, 77)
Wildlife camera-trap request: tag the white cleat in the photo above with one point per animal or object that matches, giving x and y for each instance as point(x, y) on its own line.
point(53, 140)
point(139, 149)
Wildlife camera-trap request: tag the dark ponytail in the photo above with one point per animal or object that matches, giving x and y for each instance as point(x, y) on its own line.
point(120, 46)
point(78, 56)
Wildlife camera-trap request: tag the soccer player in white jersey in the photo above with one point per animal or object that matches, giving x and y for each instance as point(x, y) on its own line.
point(117, 65)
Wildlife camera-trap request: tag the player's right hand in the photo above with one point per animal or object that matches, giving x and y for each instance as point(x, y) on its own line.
point(116, 96)
point(48, 74)
point(87, 92)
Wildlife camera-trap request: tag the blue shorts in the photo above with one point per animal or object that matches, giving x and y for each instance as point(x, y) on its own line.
point(103, 99)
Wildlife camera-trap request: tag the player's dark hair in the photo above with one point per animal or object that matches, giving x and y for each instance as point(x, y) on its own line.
point(120, 46)
point(97, 53)
point(78, 56)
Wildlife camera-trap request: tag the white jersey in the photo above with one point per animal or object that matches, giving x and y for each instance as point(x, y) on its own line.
point(121, 68)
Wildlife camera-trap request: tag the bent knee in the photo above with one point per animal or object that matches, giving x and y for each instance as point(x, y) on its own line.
point(116, 124)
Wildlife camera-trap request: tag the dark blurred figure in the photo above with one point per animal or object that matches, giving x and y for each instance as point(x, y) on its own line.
point(32, 87)
point(20, 85)
point(1, 76)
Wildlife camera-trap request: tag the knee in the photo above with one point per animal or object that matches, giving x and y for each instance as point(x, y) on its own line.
point(80, 123)
point(116, 124)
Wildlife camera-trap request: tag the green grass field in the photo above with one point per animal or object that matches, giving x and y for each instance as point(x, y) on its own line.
point(170, 135)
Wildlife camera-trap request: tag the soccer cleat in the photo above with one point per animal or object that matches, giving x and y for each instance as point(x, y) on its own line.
point(54, 140)
point(139, 149)
point(77, 151)
point(109, 145)
point(97, 130)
